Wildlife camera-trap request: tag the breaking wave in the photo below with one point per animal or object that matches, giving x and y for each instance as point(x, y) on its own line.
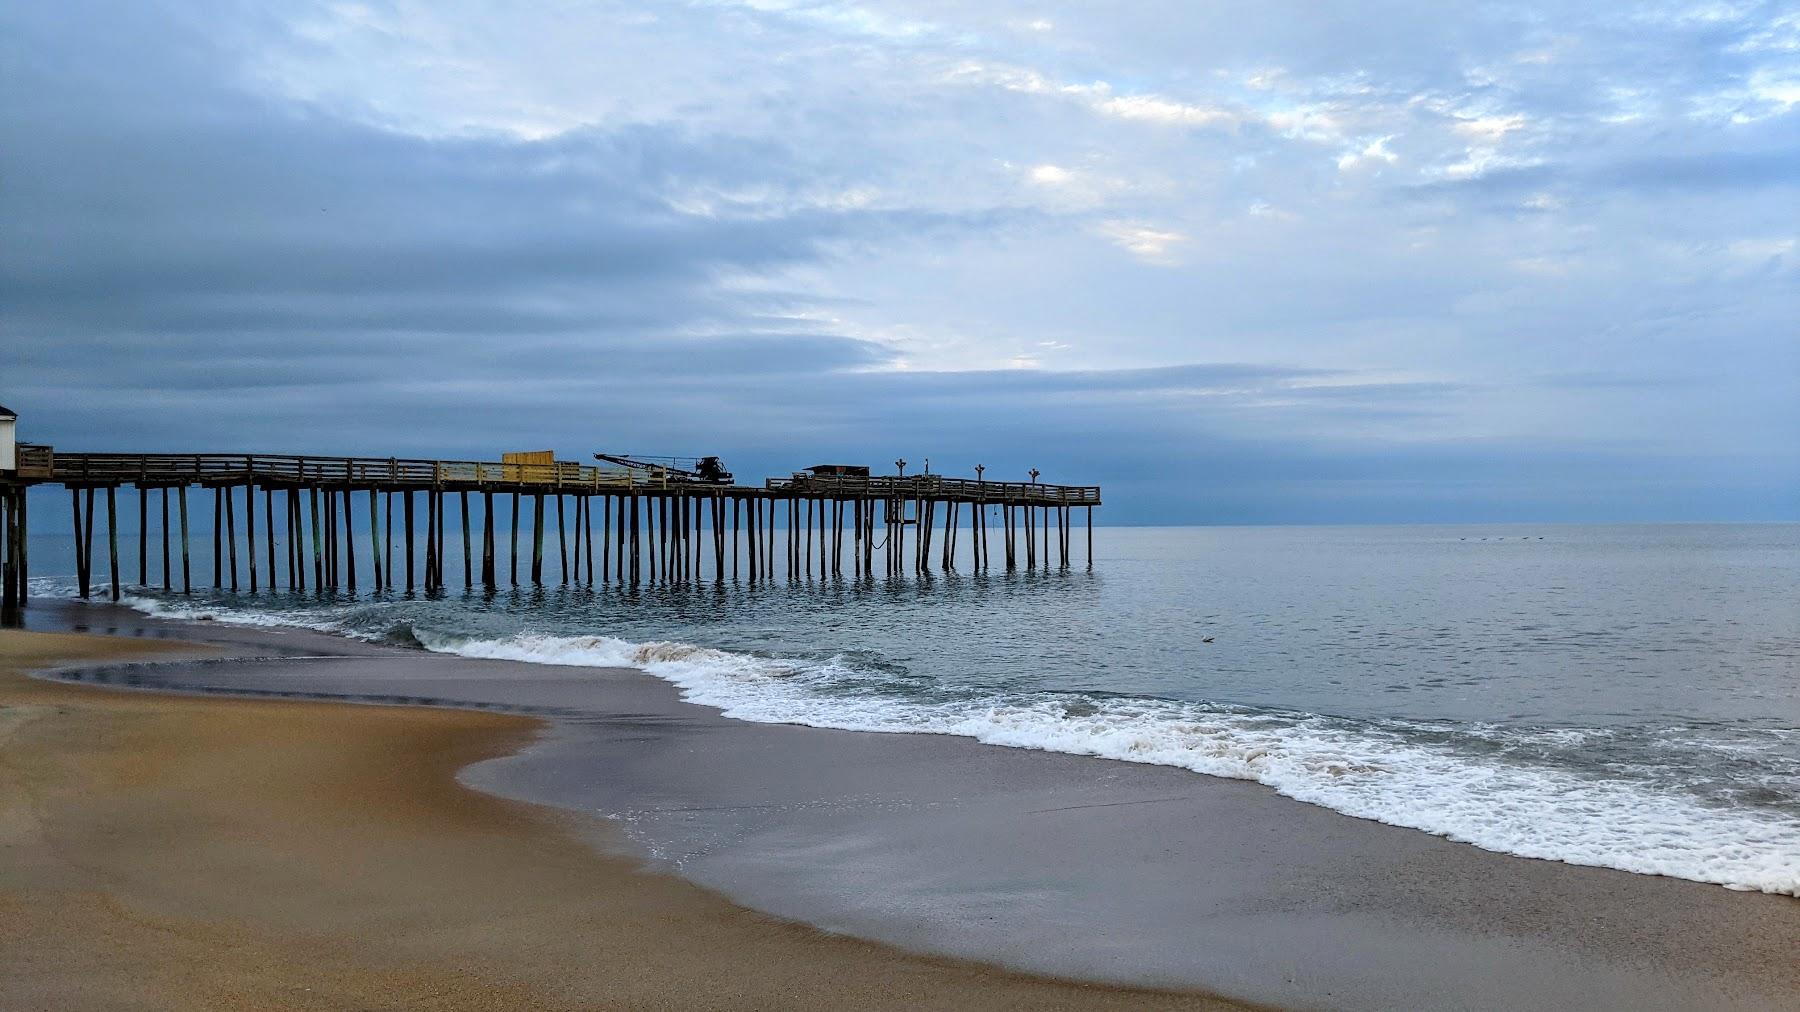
point(1495, 786)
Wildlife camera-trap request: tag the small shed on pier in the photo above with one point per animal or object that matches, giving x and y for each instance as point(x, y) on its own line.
point(9, 445)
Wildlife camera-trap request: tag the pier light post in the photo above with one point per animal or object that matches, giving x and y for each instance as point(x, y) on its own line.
point(901, 464)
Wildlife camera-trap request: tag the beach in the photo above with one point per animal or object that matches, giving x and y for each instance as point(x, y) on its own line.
point(170, 852)
point(1042, 863)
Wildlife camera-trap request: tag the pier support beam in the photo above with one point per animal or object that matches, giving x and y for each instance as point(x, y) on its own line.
point(431, 554)
point(81, 566)
point(349, 541)
point(377, 576)
point(250, 532)
point(143, 502)
point(489, 579)
point(291, 512)
point(537, 539)
point(634, 540)
point(218, 532)
point(187, 586)
point(587, 528)
point(112, 538)
point(387, 536)
point(268, 525)
point(562, 539)
point(318, 541)
point(9, 551)
point(468, 559)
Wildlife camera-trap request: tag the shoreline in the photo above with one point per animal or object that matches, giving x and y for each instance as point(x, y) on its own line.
point(1227, 886)
point(300, 854)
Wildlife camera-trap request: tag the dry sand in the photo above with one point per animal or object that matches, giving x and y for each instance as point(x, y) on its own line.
point(166, 852)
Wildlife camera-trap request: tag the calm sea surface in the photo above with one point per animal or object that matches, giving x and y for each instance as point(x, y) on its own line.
point(1627, 696)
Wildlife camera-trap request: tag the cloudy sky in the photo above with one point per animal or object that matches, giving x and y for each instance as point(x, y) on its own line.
point(1241, 262)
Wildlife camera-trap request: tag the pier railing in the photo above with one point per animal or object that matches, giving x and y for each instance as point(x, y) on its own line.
point(932, 486)
point(36, 463)
point(102, 469)
point(294, 469)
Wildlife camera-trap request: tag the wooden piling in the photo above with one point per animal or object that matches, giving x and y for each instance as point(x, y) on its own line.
point(269, 530)
point(81, 578)
point(440, 582)
point(468, 559)
point(688, 526)
point(656, 516)
point(112, 539)
point(88, 541)
point(718, 533)
point(186, 581)
point(431, 560)
point(349, 541)
point(537, 538)
point(318, 540)
point(738, 523)
point(328, 520)
point(488, 576)
point(1012, 533)
point(377, 575)
point(634, 538)
point(12, 535)
point(434, 540)
point(290, 515)
point(24, 571)
point(515, 539)
point(143, 502)
point(250, 532)
point(562, 542)
point(9, 551)
point(949, 518)
point(230, 532)
point(387, 539)
point(407, 507)
point(1064, 532)
point(218, 532)
point(9, 542)
point(809, 537)
point(575, 541)
point(322, 534)
point(755, 544)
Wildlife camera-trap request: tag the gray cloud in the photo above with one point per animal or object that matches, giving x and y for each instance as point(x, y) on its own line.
point(1404, 262)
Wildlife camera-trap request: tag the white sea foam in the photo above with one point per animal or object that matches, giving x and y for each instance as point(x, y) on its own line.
point(1358, 768)
point(1384, 771)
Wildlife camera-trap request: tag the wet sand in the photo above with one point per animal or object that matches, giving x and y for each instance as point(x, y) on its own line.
point(171, 852)
point(1045, 862)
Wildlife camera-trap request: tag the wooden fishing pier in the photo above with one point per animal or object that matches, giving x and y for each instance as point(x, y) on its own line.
point(284, 520)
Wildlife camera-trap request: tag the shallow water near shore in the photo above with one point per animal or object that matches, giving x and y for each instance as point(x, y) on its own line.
point(1623, 696)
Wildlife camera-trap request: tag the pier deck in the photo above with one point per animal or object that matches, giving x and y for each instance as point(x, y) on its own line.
point(651, 527)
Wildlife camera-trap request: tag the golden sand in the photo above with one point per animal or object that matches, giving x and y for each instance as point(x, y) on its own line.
point(167, 852)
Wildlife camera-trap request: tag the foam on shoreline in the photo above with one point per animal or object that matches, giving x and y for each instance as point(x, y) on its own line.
point(1475, 783)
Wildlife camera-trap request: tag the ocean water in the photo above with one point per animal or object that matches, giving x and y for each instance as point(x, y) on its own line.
point(1620, 696)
